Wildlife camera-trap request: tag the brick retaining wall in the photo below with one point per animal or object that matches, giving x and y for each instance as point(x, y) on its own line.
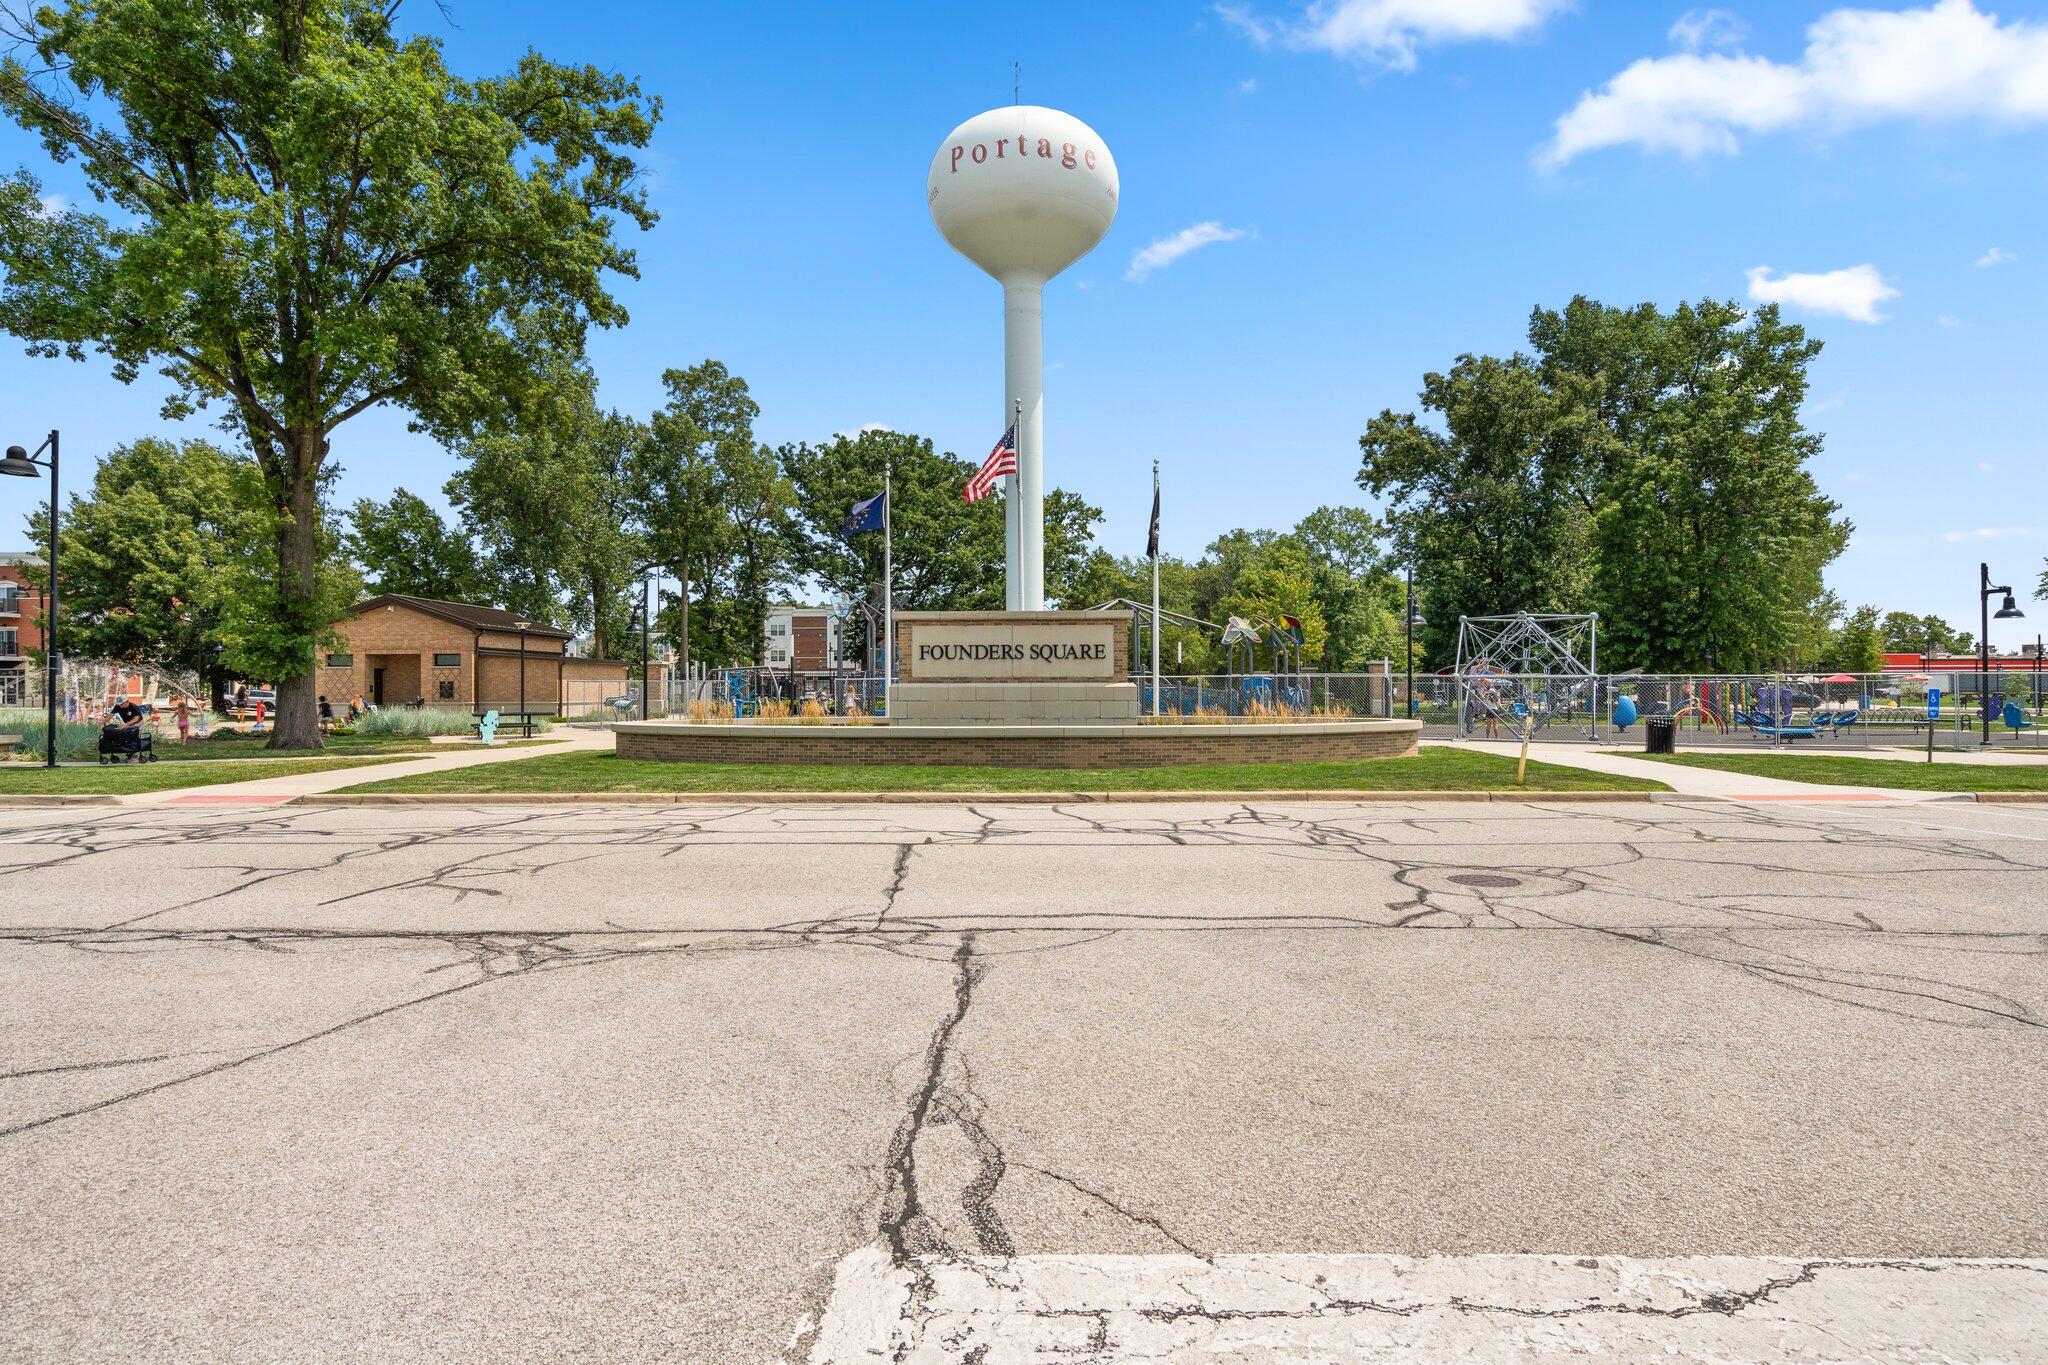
point(1045, 746)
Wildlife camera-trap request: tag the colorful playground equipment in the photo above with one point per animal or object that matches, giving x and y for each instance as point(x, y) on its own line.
point(1264, 659)
point(1776, 711)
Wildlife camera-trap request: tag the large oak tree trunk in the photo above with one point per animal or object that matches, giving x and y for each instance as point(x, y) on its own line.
point(298, 550)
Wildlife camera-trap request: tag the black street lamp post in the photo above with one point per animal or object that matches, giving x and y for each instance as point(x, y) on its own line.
point(650, 594)
point(2008, 611)
point(1413, 620)
point(646, 630)
point(22, 464)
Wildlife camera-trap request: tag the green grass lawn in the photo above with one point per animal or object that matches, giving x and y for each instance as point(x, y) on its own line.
point(124, 779)
point(339, 746)
point(1434, 769)
point(233, 746)
point(1842, 771)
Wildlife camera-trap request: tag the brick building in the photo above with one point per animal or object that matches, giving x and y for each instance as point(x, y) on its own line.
point(396, 650)
point(805, 639)
point(21, 606)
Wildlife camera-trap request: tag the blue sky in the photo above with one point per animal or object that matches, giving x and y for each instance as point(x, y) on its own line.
point(1391, 182)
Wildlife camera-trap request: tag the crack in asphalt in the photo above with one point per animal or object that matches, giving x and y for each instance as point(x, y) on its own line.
point(898, 875)
point(1628, 878)
point(1118, 1208)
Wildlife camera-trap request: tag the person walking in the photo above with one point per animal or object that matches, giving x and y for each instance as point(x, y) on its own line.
point(181, 712)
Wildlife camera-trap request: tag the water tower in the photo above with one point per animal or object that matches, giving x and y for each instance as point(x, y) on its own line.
point(1023, 192)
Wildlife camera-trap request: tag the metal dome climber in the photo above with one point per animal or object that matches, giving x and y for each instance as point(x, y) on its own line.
point(1527, 671)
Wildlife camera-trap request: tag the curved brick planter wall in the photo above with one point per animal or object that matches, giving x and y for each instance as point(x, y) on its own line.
point(1019, 746)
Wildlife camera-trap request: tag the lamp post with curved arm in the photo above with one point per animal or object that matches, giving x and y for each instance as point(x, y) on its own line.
point(23, 464)
point(2009, 610)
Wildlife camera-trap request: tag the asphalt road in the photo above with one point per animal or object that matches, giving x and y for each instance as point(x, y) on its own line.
point(617, 1083)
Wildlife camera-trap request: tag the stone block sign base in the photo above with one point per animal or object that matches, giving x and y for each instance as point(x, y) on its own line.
point(1098, 745)
point(1013, 667)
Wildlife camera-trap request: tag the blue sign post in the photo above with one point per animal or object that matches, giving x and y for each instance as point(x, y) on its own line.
point(1933, 715)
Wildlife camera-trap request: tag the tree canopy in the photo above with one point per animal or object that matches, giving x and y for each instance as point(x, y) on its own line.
point(403, 546)
point(164, 565)
point(948, 552)
point(311, 215)
point(1646, 465)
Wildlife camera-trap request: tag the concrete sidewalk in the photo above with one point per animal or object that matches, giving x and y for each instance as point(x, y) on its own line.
point(270, 791)
point(1708, 782)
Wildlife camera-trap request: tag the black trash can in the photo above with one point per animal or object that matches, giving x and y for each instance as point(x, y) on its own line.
point(1660, 735)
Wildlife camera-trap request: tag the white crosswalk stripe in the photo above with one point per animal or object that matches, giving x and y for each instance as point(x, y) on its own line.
point(1477, 1310)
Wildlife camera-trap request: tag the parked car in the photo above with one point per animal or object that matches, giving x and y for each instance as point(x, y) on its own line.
point(247, 710)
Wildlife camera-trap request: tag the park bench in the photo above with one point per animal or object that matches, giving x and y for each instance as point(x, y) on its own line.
point(8, 744)
point(505, 721)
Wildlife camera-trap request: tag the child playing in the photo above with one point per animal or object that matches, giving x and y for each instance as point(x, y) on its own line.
point(181, 710)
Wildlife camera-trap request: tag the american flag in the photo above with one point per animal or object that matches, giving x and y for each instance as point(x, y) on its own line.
point(1000, 462)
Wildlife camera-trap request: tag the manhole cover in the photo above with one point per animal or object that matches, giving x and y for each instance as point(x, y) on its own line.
point(1484, 879)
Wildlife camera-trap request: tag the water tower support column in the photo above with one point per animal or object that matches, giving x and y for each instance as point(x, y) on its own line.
point(1024, 378)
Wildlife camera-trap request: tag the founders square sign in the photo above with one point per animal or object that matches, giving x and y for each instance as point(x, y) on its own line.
point(1012, 646)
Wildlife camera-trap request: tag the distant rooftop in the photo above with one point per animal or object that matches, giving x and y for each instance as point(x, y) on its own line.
point(461, 613)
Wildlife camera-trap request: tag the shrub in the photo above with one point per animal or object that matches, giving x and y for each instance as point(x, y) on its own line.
point(73, 740)
point(396, 722)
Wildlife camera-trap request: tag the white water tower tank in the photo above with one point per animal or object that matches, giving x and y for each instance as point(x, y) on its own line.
point(1023, 191)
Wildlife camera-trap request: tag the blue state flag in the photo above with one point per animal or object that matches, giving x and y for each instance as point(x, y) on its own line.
point(865, 516)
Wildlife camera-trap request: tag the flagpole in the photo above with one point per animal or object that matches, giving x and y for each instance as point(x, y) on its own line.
point(1013, 525)
point(888, 583)
point(1155, 600)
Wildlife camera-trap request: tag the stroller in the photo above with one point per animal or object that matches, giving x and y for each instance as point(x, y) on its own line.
point(117, 743)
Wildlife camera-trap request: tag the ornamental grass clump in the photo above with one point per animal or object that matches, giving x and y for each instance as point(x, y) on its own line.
point(410, 724)
point(74, 739)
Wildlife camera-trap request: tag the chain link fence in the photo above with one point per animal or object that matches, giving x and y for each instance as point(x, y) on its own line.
point(1834, 711)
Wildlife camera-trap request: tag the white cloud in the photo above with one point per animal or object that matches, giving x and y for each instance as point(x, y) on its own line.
point(1944, 61)
point(1698, 28)
point(51, 205)
point(1258, 28)
point(1167, 250)
point(1248, 86)
point(1390, 32)
point(1998, 255)
point(1986, 467)
point(863, 429)
point(1949, 321)
point(1989, 533)
point(1853, 292)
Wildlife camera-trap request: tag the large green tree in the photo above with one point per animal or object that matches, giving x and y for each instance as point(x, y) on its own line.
point(716, 506)
point(1709, 532)
point(165, 565)
point(311, 216)
point(1491, 506)
point(1905, 633)
point(404, 546)
point(548, 493)
point(1646, 465)
point(1857, 645)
